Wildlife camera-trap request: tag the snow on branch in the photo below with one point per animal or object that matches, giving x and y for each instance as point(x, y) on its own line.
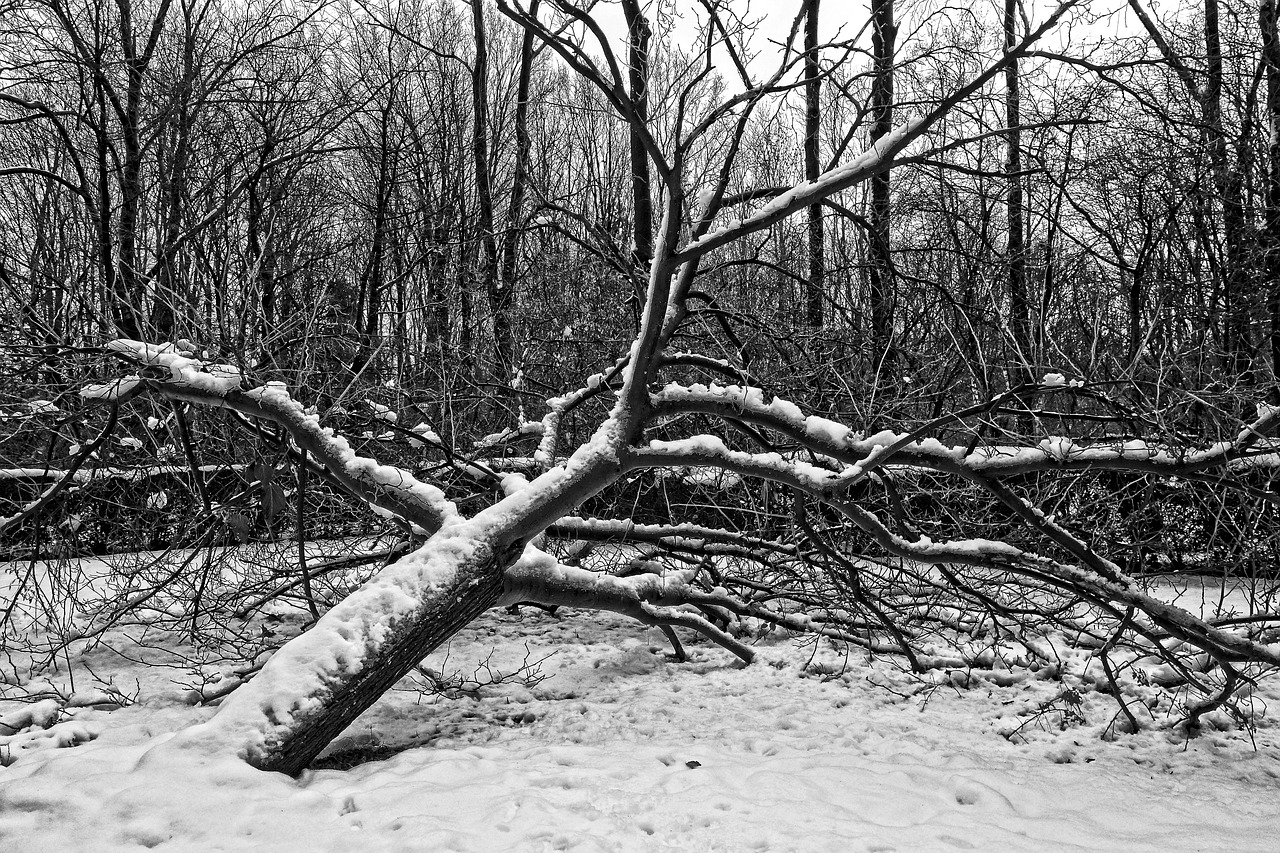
point(649, 598)
point(682, 537)
point(862, 453)
point(386, 488)
point(1109, 587)
point(558, 407)
point(80, 475)
point(669, 598)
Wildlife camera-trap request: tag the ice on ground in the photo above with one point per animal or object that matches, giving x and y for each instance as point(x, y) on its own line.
point(620, 749)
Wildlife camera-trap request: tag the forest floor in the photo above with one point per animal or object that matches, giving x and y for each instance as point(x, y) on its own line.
point(613, 746)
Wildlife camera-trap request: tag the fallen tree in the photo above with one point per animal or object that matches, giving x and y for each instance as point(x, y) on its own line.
point(856, 562)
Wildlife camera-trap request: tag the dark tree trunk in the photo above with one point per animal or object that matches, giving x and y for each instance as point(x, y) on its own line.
point(1235, 277)
point(502, 332)
point(372, 281)
point(171, 302)
point(883, 37)
point(130, 167)
point(1020, 369)
point(124, 304)
point(816, 283)
point(638, 34)
point(1270, 27)
point(487, 269)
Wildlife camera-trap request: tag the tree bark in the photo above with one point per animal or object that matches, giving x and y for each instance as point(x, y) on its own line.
point(883, 38)
point(504, 339)
point(373, 279)
point(1235, 278)
point(278, 727)
point(638, 34)
point(1020, 370)
point(816, 283)
point(131, 165)
point(170, 299)
point(487, 271)
point(1269, 22)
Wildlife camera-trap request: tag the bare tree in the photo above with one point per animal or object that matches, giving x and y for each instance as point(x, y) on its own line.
point(1015, 248)
point(814, 294)
point(1269, 24)
point(1206, 90)
point(880, 269)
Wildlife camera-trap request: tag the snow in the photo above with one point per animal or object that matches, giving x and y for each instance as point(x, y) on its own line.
point(513, 482)
point(215, 379)
point(875, 449)
point(710, 450)
point(112, 390)
point(620, 749)
point(428, 436)
point(85, 475)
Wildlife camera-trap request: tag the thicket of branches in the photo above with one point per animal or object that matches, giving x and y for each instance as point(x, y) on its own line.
point(932, 333)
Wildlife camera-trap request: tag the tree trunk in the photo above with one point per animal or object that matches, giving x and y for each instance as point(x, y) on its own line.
point(372, 281)
point(816, 283)
point(1020, 370)
point(638, 34)
point(487, 272)
point(504, 339)
point(883, 37)
point(171, 302)
point(1270, 27)
point(130, 168)
point(124, 313)
point(1238, 350)
point(318, 684)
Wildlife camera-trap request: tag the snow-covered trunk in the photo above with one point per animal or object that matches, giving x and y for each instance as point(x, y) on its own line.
point(319, 683)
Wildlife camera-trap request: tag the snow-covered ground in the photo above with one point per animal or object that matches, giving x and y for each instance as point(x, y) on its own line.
point(620, 749)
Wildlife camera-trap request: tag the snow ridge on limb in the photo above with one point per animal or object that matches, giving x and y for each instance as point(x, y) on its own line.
point(558, 407)
point(841, 443)
point(649, 598)
point(1081, 579)
point(385, 487)
point(693, 537)
point(183, 367)
point(318, 683)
